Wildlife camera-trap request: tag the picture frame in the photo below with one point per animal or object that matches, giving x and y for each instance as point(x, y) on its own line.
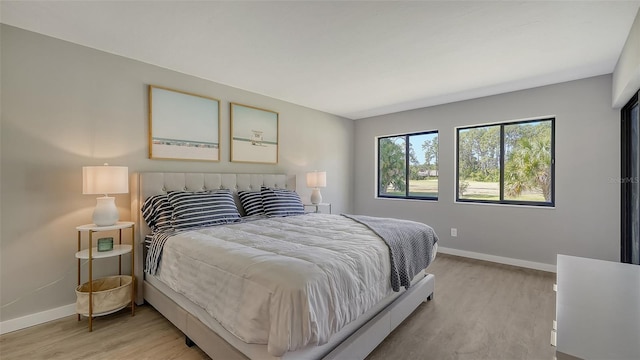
point(183, 125)
point(254, 134)
point(105, 244)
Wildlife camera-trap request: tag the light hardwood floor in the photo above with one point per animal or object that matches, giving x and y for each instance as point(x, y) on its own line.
point(481, 310)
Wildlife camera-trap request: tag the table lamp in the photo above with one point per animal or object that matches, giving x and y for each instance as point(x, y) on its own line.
point(316, 180)
point(105, 180)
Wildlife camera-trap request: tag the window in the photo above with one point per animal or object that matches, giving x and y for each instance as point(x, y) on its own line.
point(508, 163)
point(408, 166)
point(630, 181)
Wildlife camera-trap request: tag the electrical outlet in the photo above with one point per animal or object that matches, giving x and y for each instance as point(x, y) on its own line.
point(454, 232)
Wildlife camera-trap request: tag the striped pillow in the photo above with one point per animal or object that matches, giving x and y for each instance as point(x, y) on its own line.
point(251, 202)
point(280, 202)
point(157, 212)
point(198, 209)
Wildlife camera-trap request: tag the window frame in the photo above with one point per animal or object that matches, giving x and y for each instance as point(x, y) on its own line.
point(502, 200)
point(407, 169)
point(626, 181)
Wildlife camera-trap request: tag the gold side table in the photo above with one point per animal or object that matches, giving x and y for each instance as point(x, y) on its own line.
point(317, 206)
point(91, 253)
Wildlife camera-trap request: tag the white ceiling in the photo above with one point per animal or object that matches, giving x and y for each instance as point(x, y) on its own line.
point(354, 59)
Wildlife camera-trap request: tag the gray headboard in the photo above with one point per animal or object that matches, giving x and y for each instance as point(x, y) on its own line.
point(147, 184)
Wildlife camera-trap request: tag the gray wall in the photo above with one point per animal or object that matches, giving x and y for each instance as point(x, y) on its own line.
point(585, 221)
point(65, 106)
point(626, 76)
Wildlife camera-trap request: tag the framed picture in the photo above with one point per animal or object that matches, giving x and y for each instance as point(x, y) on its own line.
point(254, 134)
point(183, 126)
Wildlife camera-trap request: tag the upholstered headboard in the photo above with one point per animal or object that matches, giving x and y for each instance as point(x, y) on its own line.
point(147, 184)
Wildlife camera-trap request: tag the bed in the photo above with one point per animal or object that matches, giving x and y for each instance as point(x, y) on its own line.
point(352, 336)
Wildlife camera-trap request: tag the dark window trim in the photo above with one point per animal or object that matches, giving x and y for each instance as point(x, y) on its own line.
point(625, 186)
point(407, 170)
point(502, 201)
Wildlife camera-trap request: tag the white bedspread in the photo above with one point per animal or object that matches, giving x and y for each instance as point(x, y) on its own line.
point(285, 282)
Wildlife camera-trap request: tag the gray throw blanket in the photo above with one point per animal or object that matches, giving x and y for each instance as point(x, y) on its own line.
point(410, 245)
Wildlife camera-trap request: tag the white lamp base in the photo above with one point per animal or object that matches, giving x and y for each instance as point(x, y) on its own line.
point(316, 197)
point(106, 212)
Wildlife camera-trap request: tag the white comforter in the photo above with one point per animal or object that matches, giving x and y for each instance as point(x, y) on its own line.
point(285, 282)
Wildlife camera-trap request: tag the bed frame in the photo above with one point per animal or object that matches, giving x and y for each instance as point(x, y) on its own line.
point(355, 341)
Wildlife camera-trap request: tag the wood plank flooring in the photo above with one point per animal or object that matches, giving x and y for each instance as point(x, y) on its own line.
point(481, 310)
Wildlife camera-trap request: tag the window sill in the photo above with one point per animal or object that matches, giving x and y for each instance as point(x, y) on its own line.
point(404, 199)
point(507, 205)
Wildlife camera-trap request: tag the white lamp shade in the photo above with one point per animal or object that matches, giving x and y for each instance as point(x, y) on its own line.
point(317, 179)
point(105, 180)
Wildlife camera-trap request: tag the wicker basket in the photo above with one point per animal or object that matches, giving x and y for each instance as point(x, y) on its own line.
point(110, 294)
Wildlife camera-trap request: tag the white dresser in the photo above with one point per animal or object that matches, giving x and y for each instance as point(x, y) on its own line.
point(597, 309)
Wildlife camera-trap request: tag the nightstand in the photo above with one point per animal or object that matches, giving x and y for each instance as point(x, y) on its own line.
point(317, 206)
point(117, 297)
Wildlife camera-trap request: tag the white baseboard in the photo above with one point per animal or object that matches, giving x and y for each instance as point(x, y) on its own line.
point(499, 259)
point(37, 318)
